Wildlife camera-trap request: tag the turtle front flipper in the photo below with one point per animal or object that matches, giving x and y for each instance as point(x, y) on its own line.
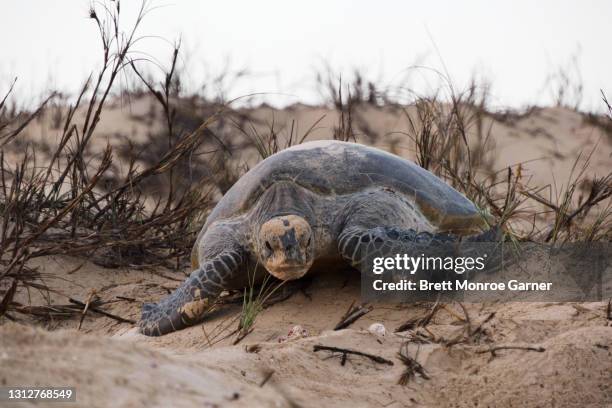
point(357, 245)
point(190, 301)
point(384, 223)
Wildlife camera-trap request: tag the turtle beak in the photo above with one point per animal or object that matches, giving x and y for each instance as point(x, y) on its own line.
point(291, 260)
point(288, 272)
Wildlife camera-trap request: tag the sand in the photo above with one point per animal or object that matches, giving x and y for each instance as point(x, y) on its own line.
point(110, 364)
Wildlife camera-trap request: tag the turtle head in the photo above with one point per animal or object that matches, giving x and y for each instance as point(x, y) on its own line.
point(286, 247)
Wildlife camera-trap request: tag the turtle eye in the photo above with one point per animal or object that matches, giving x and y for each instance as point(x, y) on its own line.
point(309, 240)
point(268, 246)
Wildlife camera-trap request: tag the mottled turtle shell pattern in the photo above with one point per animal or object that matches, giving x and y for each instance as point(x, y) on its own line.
point(338, 168)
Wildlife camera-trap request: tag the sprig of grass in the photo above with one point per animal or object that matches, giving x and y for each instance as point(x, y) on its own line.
point(253, 303)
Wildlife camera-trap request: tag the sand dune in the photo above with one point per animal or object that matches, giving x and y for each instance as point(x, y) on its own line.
point(110, 364)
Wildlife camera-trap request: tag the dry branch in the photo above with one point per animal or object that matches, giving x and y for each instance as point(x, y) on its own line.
point(412, 366)
point(95, 309)
point(494, 349)
point(420, 321)
point(344, 352)
point(353, 314)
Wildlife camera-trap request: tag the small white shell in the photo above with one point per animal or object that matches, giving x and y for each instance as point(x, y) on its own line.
point(377, 329)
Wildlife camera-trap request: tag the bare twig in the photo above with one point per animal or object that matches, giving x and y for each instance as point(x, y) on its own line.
point(468, 321)
point(266, 378)
point(412, 366)
point(127, 299)
point(479, 328)
point(10, 293)
point(420, 321)
point(92, 293)
point(494, 349)
point(102, 312)
point(344, 352)
point(352, 315)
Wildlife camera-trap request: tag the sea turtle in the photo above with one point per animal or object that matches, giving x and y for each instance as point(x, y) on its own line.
point(311, 204)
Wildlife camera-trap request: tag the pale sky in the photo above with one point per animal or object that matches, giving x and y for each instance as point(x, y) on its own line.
point(515, 44)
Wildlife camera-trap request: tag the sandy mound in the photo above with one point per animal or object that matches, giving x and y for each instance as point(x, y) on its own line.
point(199, 365)
point(107, 372)
point(575, 370)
